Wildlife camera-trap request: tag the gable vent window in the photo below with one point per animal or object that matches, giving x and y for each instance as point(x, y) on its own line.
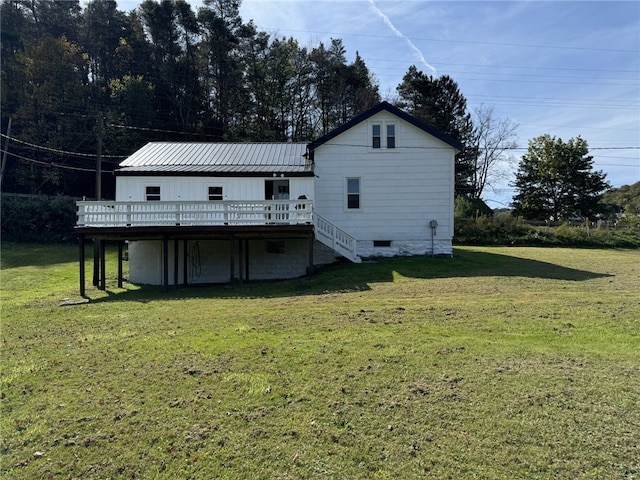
point(152, 194)
point(391, 136)
point(376, 135)
point(215, 193)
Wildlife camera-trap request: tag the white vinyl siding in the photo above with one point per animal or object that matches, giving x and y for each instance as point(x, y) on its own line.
point(132, 189)
point(405, 187)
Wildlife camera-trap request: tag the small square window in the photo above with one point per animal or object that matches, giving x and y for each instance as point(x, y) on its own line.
point(376, 136)
point(391, 136)
point(152, 194)
point(275, 246)
point(353, 193)
point(215, 193)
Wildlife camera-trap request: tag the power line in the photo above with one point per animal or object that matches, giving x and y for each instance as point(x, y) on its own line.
point(55, 150)
point(146, 129)
point(54, 165)
point(470, 42)
point(555, 69)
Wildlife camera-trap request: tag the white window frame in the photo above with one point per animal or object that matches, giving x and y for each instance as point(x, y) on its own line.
point(377, 125)
point(394, 136)
point(383, 138)
point(147, 195)
point(347, 193)
point(209, 194)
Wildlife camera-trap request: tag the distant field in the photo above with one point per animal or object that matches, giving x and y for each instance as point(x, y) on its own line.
point(500, 363)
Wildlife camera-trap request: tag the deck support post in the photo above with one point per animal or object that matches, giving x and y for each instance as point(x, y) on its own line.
point(96, 262)
point(120, 249)
point(310, 253)
point(81, 259)
point(232, 266)
point(103, 277)
point(165, 262)
point(246, 259)
point(240, 260)
point(176, 247)
point(185, 260)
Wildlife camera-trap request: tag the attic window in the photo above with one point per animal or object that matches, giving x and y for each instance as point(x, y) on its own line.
point(391, 135)
point(375, 131)
point(152, 194)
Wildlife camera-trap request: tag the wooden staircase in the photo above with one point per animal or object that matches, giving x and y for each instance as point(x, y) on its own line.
point(335, 238)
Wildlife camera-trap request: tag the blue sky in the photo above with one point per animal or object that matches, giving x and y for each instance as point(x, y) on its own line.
point(564, 68)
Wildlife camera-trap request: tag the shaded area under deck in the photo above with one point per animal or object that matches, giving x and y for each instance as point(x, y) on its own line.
point(237, 236)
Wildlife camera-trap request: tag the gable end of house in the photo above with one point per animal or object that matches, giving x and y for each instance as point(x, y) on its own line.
point(394, 111)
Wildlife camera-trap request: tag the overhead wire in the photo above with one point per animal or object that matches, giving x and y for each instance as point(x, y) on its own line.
point(58, 151)
point(53, 165)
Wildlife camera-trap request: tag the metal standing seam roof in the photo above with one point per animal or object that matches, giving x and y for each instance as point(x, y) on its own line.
point(219, 158)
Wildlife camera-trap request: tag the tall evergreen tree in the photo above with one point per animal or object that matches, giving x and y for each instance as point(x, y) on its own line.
point(220, 21)
point(439, 102)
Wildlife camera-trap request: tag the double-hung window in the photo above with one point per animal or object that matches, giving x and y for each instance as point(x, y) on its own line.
point(353, 193)
point(152, 193)
point(383, 135)
point(215, 193)
point(391, 135)
point(375, 133)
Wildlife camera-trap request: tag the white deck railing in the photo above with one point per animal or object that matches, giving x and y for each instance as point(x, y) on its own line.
point(105, 214)
point(145, 214)
point(336, 238)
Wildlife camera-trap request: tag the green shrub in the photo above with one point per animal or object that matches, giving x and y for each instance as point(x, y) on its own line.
point(471, 207)
point(38, 219)
point(507, 230)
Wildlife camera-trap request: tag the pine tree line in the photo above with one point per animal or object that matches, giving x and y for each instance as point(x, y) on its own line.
point(73, 73)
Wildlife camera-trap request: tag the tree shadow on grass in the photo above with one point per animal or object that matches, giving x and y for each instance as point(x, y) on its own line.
point(347, 277)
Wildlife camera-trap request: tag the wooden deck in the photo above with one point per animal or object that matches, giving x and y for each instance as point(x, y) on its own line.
point(108, 214)
point(235, 221)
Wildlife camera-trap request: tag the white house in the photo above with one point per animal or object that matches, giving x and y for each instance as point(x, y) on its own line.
point(380, 185)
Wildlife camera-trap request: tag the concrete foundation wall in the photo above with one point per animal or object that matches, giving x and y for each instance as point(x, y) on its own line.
point(210, 261)
point(405, 248)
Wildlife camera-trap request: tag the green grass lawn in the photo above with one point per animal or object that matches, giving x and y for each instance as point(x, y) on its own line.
point(498, 363)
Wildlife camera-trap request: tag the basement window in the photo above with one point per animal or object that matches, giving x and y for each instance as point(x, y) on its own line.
point(276, 247)
point(152, 194)
point(381, 243)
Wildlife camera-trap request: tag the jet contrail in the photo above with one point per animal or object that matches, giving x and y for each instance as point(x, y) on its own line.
point(401, 35)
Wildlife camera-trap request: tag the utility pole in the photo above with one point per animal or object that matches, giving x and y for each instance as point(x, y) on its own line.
point(4, 153)
point(99, 160)
point(97, 243)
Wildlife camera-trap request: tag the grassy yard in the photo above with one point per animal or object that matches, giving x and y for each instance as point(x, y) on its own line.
point(499, 363)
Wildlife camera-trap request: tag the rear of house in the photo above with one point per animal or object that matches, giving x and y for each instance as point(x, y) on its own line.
point(380, 185)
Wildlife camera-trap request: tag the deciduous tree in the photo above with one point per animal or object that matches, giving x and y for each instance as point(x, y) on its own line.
point(555, 181)
point(492, 142)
